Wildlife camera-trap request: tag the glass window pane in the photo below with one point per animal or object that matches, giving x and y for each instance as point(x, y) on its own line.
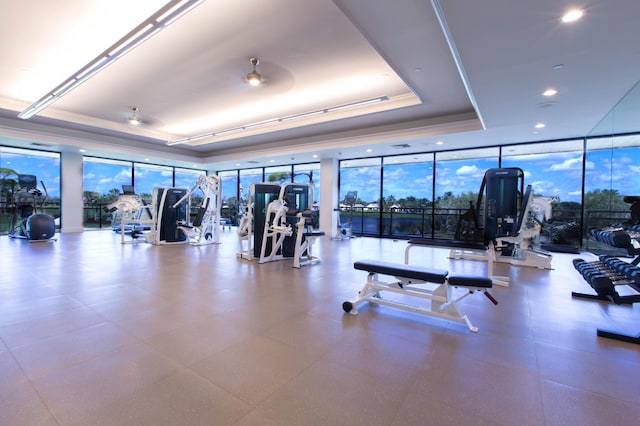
point(230, 207)
point(611, 167)
point(280, 174)
point(554, 171)
point(407, 192)
point(44, 165)
point(148, 176)
point(361, 176)
point(309, 173)
point(102, 183)
point(247, 177)
point(186, 178)
point(459, 176)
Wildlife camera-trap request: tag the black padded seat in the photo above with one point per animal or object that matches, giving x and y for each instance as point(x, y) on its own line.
point(437, 276)
point(454, 244)
point(470, 281)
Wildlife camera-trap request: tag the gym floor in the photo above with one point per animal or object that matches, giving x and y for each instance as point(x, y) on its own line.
point(93, 332)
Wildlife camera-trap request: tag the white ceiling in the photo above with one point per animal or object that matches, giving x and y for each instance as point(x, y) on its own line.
point(188, 79)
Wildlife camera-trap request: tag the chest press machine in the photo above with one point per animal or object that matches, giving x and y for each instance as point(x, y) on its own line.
point(433, 285)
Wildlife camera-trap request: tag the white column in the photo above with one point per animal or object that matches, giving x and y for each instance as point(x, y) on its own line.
point(329, 171)
point(71, 192)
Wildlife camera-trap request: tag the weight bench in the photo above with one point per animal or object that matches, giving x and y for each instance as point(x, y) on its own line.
point(434, 285)
point(475, 250)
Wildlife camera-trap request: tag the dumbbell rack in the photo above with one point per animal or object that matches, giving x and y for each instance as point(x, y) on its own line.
point(604, 275)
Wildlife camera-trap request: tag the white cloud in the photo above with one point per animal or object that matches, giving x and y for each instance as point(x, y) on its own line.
point(467, 170)
point(570, 164)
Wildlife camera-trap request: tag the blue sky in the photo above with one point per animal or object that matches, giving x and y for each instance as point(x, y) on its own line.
point(555, 174)
point(46, 169)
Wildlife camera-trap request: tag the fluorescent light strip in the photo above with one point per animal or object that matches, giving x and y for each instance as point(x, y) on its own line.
point(282, 120)
point(152, 25)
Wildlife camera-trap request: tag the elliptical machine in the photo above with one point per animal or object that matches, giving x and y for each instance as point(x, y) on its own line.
point(26, 222)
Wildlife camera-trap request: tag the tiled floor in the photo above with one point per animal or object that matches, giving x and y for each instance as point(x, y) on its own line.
point(93, 332)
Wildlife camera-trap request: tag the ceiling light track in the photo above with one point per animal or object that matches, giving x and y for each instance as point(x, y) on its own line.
point(163, 17)
point(276, 121)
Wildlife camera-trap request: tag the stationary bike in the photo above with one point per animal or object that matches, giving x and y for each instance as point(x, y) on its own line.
point(26, 222)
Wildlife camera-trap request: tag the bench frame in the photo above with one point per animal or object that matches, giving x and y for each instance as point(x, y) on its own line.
point(442, 302)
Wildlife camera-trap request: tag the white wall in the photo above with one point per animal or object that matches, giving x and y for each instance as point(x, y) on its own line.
point(71, 192)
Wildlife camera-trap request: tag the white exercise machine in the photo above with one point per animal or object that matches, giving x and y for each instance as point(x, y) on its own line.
point(205, 228)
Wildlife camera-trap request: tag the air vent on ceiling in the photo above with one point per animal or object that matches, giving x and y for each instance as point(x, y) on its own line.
point(253, 162)
point(41, 144)
point(401, 146)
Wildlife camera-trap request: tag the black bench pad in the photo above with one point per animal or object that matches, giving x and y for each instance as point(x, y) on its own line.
point(470, 281)
point(454, 244)
point(437, 276)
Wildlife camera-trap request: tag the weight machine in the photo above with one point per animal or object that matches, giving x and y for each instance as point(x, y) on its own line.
point(206, 224)
point(26, 222)
point(127, 214)
point(513, 220)
point(170, 207)
point(278, 224)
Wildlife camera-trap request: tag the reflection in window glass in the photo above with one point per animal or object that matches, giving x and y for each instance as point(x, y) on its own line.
point(612, 165)
point(44, 165)
point(554, 171)
point(148, 176)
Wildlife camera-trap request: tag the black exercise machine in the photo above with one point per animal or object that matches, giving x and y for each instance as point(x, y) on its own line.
point(26, 222)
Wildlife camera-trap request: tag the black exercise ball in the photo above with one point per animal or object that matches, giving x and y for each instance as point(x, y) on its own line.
point(40, 227)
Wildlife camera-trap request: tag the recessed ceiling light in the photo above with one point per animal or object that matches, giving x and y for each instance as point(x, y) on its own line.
point(315, 155)
point(272, 161)
point(572, 15)
point(146, 159)
point(558, 67)
point(82, 150)
point(539, 125)
point(550, 92)
point(369, 150)
point(439, 143)
point(237, 164)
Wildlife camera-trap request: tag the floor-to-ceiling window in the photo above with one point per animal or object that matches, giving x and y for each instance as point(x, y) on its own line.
point(310, 175)
point(45, 166)
point(458, 179)
point(278, 174)
point(554, 171)
point(407, 195)
point(146, 177)
point(363, 178)
point(102, 182)
point(612, 168)
point(230, 208)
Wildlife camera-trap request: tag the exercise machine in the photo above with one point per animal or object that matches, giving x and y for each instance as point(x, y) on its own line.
point(205, 228)
point(26, 222)
point(345, 229)
point(418, 283)
point(130, 215)
point(278, 224)
point(167, 214)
